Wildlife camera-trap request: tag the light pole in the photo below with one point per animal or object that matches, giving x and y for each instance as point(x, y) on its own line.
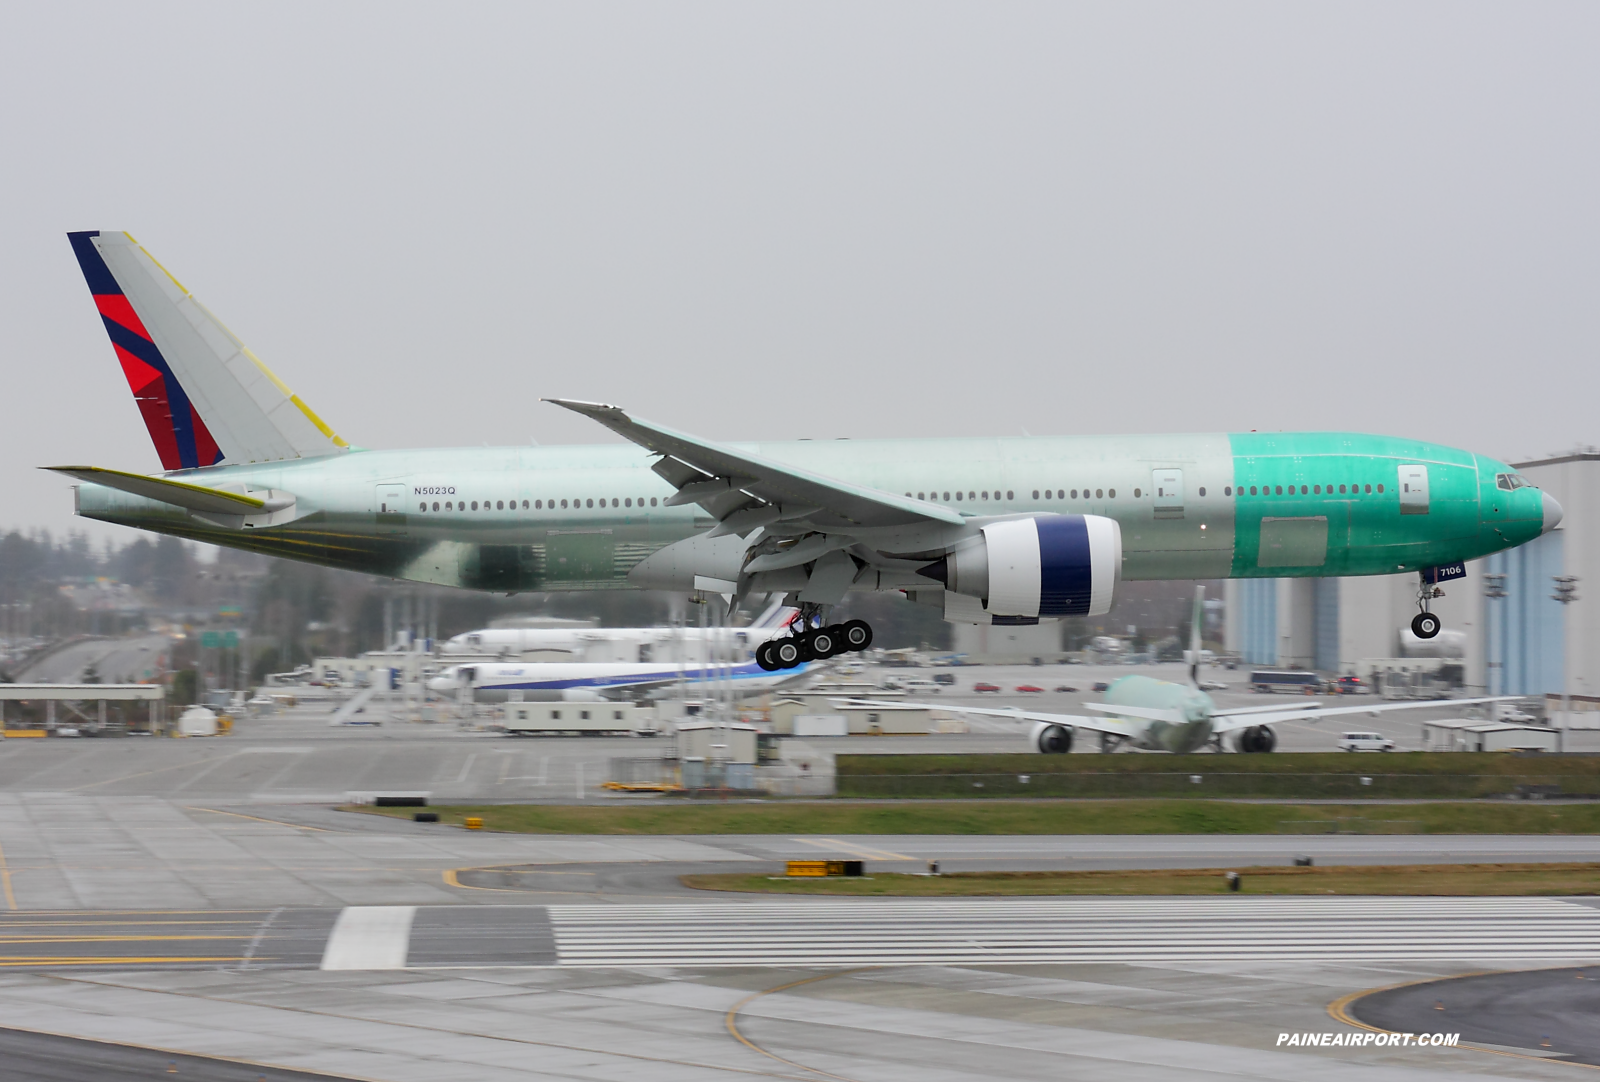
point(1566, 593)
point(1494, 589)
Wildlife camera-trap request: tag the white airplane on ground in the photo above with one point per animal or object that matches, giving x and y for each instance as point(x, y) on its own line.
point(623, 644)
point(1160, 715)
point(556, 681)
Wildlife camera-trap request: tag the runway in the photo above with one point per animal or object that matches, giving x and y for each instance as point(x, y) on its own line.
point(784, 932)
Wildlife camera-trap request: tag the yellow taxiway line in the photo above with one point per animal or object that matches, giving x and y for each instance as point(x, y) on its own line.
point(731, 1019)
point(5, 880)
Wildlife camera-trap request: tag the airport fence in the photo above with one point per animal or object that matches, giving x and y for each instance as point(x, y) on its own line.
point(1220, 784)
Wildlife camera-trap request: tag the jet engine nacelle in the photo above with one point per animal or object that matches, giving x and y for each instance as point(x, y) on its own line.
point(1047, 565)
point(1257, 738)
point(1050, 739)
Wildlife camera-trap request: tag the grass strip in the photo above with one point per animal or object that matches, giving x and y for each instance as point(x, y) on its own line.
point(1162, 816)
point(1436, 880)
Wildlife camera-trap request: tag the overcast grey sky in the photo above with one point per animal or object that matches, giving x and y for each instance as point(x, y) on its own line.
point(864, 219)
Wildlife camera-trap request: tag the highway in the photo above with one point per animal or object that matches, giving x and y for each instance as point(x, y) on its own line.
point(116, 660)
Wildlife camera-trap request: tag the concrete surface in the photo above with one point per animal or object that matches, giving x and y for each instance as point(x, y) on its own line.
point(1119, 1022)
point(79, 851)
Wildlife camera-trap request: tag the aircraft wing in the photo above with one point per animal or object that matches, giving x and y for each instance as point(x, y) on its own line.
point(745, 491)
point(1114, 726)
point(1227, 721)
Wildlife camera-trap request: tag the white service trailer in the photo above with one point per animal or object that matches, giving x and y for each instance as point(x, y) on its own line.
point(583, 719)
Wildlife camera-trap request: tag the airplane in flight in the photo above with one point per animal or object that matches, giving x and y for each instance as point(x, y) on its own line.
point(617, 644)
point(1163, 715)
point(984, 530)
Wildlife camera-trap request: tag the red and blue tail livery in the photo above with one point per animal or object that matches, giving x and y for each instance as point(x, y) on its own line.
point(181, 437)
point(206, 398)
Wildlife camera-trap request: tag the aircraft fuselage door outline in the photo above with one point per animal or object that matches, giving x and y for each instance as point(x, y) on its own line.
point(1413, 490)
point(1167, 488)
point(389, 508)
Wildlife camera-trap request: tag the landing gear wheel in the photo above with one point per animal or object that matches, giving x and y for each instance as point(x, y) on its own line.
point(836, 632)
point(856, 635)
point(765, 659)
point(823, 643)
point(1425, 625)
point(787, 653)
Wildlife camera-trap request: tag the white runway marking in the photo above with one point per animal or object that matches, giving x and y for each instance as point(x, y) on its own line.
point(370, 937)
point(466, 767)
point(947, 932)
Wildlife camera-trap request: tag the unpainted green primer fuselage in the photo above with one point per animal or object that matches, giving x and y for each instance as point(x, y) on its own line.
point(581, 517)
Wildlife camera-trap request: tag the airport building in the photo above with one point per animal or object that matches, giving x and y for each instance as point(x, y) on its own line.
point(1511, 635)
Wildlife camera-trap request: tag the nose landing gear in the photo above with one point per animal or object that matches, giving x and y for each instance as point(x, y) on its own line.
point(1425, 625)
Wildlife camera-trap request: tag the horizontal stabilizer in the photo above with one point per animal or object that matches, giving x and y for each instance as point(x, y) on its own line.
point(197, 498)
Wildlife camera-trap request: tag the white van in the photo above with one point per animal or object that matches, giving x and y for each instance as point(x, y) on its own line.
point(919, 685)
point(1365, 742)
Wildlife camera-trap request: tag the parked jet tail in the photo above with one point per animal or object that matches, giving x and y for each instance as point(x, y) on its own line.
point(205, 398)
point(776, 615)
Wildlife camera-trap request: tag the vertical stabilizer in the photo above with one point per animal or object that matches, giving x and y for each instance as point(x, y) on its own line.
point(205, 398)
point(776, 615)
point(1196, 626)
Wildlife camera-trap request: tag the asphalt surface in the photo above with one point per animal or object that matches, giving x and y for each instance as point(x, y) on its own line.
point(43, 1057)
point(1545, 1013)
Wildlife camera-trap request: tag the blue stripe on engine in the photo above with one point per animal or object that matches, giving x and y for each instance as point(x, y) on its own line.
point(1066, 568)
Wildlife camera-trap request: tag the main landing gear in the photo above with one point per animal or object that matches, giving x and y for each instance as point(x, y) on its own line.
point(1425, 625)
point(818, 643)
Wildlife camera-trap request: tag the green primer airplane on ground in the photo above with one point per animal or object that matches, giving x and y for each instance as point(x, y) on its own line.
point(1012, 530)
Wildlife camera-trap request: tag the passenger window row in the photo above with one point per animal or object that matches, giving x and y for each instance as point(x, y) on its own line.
point(1058, 494)
point(1305, 490)
point(538, 505)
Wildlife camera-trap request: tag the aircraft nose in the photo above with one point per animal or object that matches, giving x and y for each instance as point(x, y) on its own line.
point(1552, 513)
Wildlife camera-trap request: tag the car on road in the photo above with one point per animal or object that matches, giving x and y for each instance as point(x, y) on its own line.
point(948, 679)
point(982, 686)
point(1349, 685)
point(1066, 687)
point(1032, 689)
point(1365, 742)
point(1213, 685)
point(1101, 685)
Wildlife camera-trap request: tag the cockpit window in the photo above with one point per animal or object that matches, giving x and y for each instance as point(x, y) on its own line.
point(1508, 482)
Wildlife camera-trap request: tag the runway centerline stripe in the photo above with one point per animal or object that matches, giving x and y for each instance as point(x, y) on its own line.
point(370, 937)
